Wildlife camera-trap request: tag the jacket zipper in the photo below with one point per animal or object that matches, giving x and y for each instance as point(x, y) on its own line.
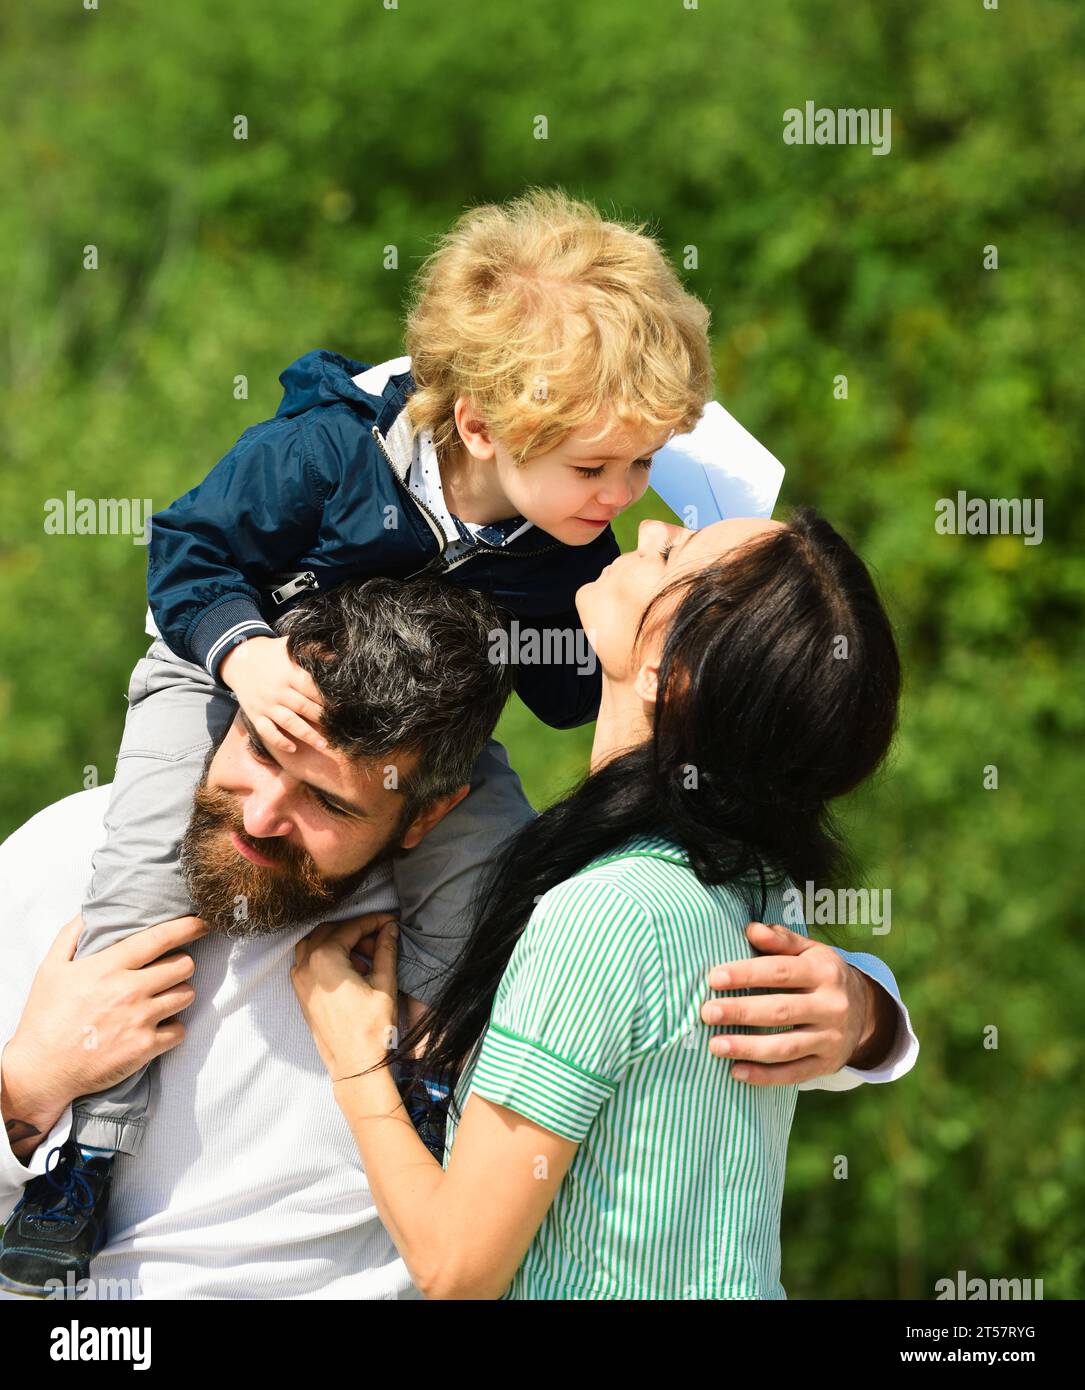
point(438, 529)
point(518, 554)
point(296, 585)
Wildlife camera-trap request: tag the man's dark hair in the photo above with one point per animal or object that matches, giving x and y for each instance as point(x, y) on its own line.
point(404, 665)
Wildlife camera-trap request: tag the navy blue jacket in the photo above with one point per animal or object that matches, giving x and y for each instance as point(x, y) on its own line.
point(300, 504)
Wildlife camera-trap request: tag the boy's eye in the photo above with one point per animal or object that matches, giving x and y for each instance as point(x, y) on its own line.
point(594, 472)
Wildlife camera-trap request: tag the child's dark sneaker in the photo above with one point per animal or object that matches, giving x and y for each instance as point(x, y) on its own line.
point(58, 1225)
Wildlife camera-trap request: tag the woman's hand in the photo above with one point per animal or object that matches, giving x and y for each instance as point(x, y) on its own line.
point(353, 1019)
point(281, 700)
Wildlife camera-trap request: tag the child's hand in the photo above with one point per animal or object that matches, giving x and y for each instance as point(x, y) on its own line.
point(277, 695)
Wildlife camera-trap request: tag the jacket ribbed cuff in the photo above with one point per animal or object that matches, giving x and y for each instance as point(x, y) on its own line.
point(220, 630)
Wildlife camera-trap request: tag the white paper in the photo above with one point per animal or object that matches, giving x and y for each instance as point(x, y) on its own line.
point(719, 470)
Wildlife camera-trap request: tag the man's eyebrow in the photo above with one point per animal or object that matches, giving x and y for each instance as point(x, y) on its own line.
point(347, 806)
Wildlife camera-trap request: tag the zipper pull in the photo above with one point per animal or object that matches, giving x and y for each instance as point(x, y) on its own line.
point(296, 585)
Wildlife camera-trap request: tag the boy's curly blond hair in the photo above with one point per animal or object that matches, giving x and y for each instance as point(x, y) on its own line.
point(544, 314)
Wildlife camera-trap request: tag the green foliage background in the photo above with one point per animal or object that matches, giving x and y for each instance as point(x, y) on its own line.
point(370, 126)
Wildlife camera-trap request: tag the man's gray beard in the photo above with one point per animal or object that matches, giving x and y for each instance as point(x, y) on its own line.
point(243, 900)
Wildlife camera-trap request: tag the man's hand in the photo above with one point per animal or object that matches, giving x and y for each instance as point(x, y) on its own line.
point(837, 1016)
point(91, 1022)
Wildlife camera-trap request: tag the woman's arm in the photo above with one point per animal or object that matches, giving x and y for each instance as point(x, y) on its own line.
point(462, 1231)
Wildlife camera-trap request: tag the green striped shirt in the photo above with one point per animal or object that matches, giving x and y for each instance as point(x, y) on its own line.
point(596, 1035)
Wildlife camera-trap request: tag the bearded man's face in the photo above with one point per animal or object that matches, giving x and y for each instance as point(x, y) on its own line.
point(237, 896)
point(274, 842)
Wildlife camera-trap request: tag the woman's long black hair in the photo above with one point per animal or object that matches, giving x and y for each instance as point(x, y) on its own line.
point(777, 692)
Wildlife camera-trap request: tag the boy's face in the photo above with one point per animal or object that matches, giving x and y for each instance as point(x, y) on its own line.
point(575, 490)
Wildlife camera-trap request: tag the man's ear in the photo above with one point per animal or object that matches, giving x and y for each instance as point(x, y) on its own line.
point(646, 682)
point(473, 429)
point(423, 823)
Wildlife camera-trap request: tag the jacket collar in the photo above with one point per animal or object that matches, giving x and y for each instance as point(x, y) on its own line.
point(392, 382)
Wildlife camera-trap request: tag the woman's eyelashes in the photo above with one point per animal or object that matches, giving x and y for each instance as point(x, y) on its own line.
point(666, 550)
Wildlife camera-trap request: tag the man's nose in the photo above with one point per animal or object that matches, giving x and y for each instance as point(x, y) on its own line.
point(264, 811)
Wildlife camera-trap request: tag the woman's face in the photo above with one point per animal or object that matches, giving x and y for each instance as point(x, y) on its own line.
point(611, 607)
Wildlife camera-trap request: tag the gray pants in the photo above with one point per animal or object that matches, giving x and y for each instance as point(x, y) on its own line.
point(176, 713)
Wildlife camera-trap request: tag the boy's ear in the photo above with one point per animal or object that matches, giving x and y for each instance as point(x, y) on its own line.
point(473, 429)
point(424, 822)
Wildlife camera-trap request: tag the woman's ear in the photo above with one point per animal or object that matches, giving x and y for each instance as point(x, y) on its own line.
point(646, 682)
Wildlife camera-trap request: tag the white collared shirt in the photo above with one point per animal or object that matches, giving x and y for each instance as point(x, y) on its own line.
point(425, 483)
point(424, 473)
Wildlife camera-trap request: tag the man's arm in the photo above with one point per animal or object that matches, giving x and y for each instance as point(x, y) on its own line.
point(843, 1014)
point(86, 1025)
point(890, 1047)
point(52, 1040)
point(27, 1120)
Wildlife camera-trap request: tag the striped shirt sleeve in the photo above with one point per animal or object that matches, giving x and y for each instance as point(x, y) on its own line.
point(581, 998)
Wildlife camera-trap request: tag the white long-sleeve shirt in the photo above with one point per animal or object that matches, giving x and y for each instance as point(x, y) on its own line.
point(248, 1183)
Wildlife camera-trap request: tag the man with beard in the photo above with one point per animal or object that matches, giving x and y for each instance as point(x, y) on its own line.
point(249, 1184)
point(246, 886)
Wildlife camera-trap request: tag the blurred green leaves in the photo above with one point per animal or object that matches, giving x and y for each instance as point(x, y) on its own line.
point(222, 258)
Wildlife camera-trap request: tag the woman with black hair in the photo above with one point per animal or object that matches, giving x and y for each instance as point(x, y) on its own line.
point(596, 1147)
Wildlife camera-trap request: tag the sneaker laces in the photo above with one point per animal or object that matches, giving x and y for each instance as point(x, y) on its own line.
point(75, 1194)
